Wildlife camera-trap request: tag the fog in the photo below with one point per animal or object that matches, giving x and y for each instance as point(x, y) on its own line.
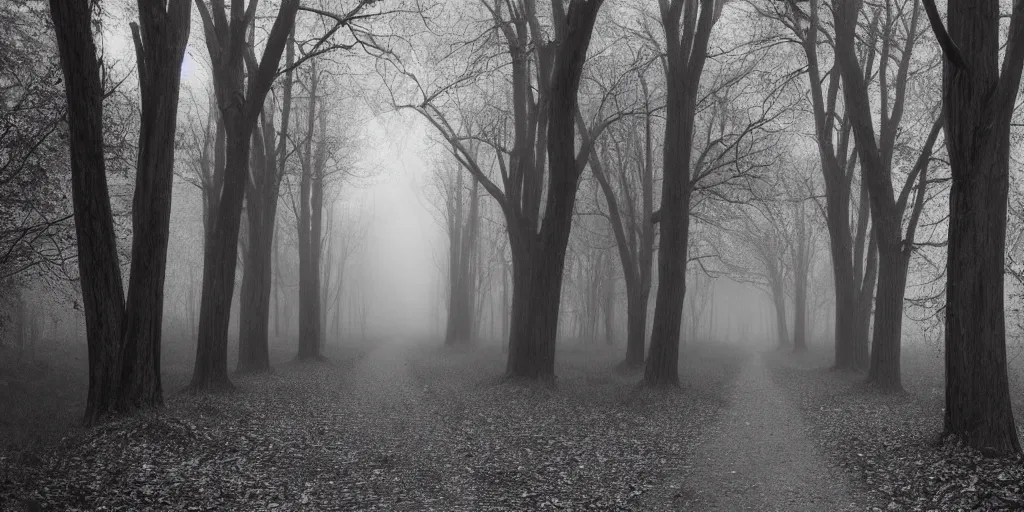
point(470, 255)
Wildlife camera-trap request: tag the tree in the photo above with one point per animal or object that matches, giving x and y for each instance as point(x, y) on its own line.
point(240, 101)
point(765, 233)
point(312, 160)
point(463, 227)
point(262, 192)
point(876, 157)
point(801, 252)
point(629, 149)
point(545, 78)
point(977, 102)
point(124, 337)
point(852, 248)
point(687, 32)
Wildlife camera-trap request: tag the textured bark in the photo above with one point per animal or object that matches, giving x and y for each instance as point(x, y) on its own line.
point(240, 101)
point(262, 192)
point(160, 40)
point(102, 294)
point(978, 103)
point(539, 258)
point(686, 46)
point(124, 339)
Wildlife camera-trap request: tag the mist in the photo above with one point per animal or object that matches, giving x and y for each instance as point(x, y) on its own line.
point(482, 255)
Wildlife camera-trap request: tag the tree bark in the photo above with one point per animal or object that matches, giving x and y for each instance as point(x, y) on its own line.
point(100, 274)
point(539, 258)
point(263, 191)
point(240, 102)
point(686, 55)
point(978, 103)
point(124, 339)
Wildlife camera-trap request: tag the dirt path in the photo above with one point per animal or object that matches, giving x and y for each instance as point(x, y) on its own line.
point(758, 457)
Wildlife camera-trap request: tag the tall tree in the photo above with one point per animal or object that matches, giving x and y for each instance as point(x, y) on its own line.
point(545, 76)
point(123, 337)
point(630, 148)
point(876, 162)
point(463, 227)
point(262, 191)
point(978, 101)
point(240, 100)
point(852, 247)
point(801, 251)
point(687, 27)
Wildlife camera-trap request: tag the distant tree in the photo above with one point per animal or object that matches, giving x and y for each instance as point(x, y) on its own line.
point(123, 336)
point(852, 247)
point(979, 94)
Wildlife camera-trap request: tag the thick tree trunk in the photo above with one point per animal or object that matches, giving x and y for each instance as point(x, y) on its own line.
point(124, 341)
point(888, 326)
point(239, 101)
point(262, 192)
point(102, 294)
point(978, 406)
point(220, 258)
point(636, 326)
point(160, 46)
point(539, 258)
point(686, 55)
point(978, 104)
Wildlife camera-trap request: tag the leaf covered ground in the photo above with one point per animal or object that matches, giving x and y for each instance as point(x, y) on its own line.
point(399, 429)
point(891, 443)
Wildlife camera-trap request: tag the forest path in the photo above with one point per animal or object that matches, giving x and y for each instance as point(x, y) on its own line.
point(403, 430)
point(758, 457)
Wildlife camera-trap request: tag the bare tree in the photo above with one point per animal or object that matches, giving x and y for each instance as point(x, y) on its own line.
point(545, 77)
point(978, 98)
point(687, 25)
point(895, 243)
point(123, 336)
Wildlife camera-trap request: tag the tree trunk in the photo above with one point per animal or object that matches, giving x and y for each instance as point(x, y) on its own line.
point(263, 190)
point(636, 325)
point(220, 258)
point(240, 102)
point(888, 327)
point(160, 46)
point(102, 294)
point(686, 55)
point(308, 323)
point(539, 258)
point(978, 104)
point(781, 319)
point(608, 303)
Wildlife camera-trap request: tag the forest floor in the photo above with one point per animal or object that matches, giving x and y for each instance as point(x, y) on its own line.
point(758, 456)
point(404, 427)
point(889, 445)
